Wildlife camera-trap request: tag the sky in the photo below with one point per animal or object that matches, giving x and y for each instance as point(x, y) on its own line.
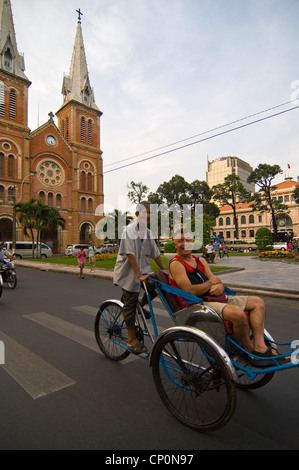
point(168, 76)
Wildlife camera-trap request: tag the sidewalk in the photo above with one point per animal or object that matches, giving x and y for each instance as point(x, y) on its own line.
point(252, 275)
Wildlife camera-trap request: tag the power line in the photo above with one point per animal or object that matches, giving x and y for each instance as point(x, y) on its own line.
point(202, 140)
point(197, 135)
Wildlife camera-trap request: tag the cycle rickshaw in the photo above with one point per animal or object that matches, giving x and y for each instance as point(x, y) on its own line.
point(196, 364)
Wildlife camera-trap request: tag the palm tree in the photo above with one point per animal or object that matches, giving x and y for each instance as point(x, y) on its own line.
point(34, 215)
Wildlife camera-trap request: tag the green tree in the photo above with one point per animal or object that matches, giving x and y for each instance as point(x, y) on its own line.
point(263, 200)
point(296, 194)
point(36, 217)
point(175, 191)
point(231, 192)
point(137, 192)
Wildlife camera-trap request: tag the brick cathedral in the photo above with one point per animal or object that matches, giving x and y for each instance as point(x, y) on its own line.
point(61, 165)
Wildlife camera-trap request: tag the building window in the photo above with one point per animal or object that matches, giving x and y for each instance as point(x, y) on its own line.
point(67, 128)
point(220, 221)
point(83, 180)
point(89, 181)
point(260, 218)
point(11, 195)
point(1, 194)
point(1, 164)
point(251, 233)
point(11, 166)
point(243, 219)
point(83, 204)
point(82, 129)
point(12, 104)
point(58, 201)
point(251, 219)
point(228, 234)
point(287, 198)
point(63, 128)
point(2, 99)
point(243, 233)
point(50, 199)
point(42, 197)
point(90, 131)
point(90, 205)
point(227, 220)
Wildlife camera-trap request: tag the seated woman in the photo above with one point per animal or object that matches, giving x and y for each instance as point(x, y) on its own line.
point(193, 275)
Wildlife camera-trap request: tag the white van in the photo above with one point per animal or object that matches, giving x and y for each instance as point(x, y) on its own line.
point(24, 250)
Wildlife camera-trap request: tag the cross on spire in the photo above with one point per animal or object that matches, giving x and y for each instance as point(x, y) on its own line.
point(79, 15)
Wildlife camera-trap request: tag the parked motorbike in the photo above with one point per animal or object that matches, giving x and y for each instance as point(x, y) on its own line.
point(7, 274)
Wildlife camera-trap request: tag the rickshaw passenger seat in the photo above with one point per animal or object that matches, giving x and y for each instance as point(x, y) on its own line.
point(172, 300)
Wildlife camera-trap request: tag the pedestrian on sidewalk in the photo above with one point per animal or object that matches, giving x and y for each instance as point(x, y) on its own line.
point(81, 257)
point(91, 256)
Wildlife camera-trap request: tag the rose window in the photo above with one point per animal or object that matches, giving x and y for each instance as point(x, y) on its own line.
point(50, 173)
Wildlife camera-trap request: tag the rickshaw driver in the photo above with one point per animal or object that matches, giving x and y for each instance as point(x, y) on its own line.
point(132, 267)
point(232, 311)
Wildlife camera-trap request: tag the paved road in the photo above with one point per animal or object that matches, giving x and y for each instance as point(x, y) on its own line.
point(58, 392)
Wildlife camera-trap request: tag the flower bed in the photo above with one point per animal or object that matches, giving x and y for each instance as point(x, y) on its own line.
point(276, 254)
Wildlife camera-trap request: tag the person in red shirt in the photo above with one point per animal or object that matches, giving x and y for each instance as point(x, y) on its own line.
point(191, 274)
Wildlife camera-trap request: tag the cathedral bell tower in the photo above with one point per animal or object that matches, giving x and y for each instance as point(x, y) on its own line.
point(79, 123)
point(14, 131)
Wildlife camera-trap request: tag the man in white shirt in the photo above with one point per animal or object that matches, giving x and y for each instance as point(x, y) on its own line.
point(132, 267)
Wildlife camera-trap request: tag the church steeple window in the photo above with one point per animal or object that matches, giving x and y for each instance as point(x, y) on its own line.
point(11, 160)
point(12, 104)
point(2, 99)
point(90, 131)
point(82, 129)
point(8, 60)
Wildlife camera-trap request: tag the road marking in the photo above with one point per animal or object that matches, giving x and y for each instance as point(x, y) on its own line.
point(69, 330)
point(36, 376)
point(87, 309)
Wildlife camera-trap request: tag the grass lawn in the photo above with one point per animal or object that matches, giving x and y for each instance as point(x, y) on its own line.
point(108, 262)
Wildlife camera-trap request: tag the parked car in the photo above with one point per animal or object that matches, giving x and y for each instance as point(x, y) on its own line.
point(24, 249)
point(71, 250)
point(280, 246)
point(107, 248)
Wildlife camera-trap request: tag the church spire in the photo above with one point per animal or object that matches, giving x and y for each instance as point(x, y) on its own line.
point(76, 86)
point(10, 59)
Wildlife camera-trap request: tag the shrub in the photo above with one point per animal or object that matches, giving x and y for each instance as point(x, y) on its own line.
point(264, 239)
point(169, 247)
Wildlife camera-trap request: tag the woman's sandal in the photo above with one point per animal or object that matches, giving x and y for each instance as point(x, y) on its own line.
point(138, 348)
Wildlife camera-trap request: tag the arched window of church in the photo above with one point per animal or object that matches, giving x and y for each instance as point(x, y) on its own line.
point(90, 131)
point(63, 128)
point(12, 194)
point(58, 201)
point(2, 99)
point(1, 194)
point(12, 104)
point(50, 199)
point(11, 160)
point(1, 164)
point(82, 129)
point(83, 180)
point(89, 181)
point(42, 197)
point(89, 205)
point(83, 204)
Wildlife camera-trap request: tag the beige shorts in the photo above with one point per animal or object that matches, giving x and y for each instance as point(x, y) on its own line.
point(239, 300)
